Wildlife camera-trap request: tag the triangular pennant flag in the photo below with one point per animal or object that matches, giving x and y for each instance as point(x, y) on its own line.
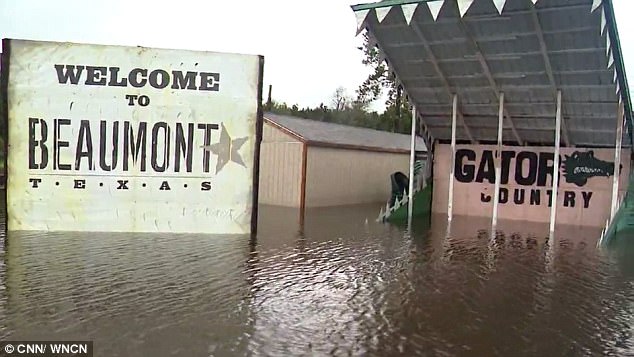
point(603, 22)
point(434, 8)
point(608, 45)
point(361, 15)
point(499, 4)
point(534, 2)
point(595, 5)
point(463, 6)
point(381, 12)
point(610, 60)
point(408, 11)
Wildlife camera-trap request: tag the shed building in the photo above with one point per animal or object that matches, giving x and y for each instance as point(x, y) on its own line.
point(308, 163)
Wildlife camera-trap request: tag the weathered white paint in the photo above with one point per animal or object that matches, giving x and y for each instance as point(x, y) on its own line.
point(553, 207)
point(453, 156)
point(498, 162)
point(587, 204)
point(35, 92)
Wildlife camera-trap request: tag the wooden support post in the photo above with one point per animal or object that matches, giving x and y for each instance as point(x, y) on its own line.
point(452, 164)
point(553, 202)
point(498, 162)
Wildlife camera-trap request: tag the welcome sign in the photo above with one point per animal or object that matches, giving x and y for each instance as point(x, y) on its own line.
point(585, 182)
point(113, 138)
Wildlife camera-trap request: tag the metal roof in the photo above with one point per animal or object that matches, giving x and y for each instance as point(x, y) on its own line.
point(344, 136)
point(528, 51)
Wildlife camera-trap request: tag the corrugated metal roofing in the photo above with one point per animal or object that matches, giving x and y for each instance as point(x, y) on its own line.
point(528, 52)
point(317, 132)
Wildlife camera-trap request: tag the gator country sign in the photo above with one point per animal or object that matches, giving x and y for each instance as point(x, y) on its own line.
point(585, 182)
point(131, 139)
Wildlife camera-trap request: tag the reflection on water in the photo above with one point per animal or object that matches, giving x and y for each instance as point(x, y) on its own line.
point(346, 285)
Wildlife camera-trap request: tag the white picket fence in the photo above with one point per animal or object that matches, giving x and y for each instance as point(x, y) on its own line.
point(419, 184)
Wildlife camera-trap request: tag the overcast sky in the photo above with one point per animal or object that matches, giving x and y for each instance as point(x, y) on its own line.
point(310, 47)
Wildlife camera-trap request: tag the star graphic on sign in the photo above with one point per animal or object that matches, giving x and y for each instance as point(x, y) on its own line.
point(227, 149)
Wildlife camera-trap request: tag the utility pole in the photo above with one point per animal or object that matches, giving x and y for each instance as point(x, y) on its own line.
point(269, 103)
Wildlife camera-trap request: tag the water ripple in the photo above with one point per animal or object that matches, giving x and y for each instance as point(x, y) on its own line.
point(339, 287)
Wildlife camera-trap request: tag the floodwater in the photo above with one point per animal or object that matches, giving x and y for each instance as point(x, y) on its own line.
point(345, 286)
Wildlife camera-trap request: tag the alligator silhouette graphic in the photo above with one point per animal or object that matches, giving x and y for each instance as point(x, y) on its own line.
point(580, 166)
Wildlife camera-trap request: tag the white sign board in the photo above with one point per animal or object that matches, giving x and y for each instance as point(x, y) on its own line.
point(584, 195)
point(130, 139)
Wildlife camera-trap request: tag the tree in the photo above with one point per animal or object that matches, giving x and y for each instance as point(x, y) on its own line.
point(354, 111)
point(397, 113)
point(372, 88)
point(340, 100)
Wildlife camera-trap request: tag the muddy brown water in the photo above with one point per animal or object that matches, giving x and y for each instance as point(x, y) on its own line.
point(342, 286)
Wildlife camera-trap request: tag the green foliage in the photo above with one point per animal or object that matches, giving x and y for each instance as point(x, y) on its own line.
point(354, 115)
point(353, 111)
point(397, 110)
point(351, 115)
point(372, 88)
